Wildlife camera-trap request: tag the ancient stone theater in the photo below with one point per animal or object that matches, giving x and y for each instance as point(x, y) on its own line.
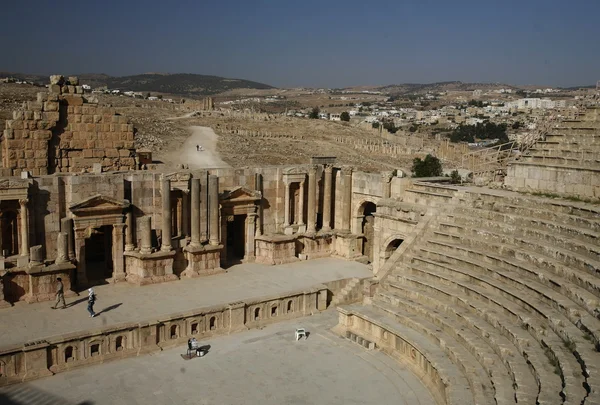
point(489, 295)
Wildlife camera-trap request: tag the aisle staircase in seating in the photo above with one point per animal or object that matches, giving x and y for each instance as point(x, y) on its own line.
point(507, 286)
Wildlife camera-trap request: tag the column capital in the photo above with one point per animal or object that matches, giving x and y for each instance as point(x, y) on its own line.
point(328, 168)
point(387, 176)
point(312, 169)
point(119, 226)
point(347, 170)
point(23, 201)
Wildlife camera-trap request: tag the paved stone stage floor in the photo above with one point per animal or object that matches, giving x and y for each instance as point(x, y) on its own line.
point(123, 302)
point(263, 366)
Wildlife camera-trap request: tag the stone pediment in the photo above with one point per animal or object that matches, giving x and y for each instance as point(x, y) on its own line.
point(240, 194)
point(98, 204)
point(296, 170)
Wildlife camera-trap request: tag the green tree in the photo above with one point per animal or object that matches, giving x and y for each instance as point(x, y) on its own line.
point(345, 116)
point(455, 177)
point(314, 114)
point(428, 167)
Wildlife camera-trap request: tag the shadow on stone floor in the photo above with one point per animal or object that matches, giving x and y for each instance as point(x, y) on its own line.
point(24, 394)
point(110, 308)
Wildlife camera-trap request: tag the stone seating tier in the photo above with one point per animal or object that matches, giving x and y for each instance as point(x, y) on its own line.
point(513, 279)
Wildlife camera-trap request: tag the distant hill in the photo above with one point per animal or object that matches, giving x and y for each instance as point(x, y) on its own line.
point(412, 88)
point(177, 83)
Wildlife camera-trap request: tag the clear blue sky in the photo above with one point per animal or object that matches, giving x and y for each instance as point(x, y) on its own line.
point(326, 43)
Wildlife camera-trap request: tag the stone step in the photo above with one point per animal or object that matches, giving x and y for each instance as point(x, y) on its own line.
point(449, 299)
point(482, 385)
point(435, 188)
point(589, 324)
point(457, 387)
point(574, 227)
point(555, 245)
point(526, 387)
point(562, 161)
point(541, 207)
point(579, 124)
point(426, 198)
point(526, 250)
point(574, 353)
point(563, 151)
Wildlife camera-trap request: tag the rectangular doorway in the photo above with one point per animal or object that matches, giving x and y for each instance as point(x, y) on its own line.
point(98, 255)
point(236, 239)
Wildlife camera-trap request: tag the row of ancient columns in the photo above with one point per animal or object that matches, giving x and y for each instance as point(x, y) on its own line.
point(197, 206)
point(346, 196)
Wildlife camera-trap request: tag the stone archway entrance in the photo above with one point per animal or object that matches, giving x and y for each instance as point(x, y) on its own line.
point(391, 248)
point(99, 240)
point(239, 208)
point(367, 229)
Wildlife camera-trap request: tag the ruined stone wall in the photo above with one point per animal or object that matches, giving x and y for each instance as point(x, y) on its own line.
point(63, 131)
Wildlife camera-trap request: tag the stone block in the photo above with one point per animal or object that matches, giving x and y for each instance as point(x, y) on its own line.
point(54, 88)
point(57, 79)
point(73, 80)
point(50, 106)
point(50, 116)
point(17, 115)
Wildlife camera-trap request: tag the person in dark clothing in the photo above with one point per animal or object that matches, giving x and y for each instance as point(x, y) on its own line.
point(91, 302)
point(60, 294)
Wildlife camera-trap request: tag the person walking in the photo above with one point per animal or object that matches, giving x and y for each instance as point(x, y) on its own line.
point(60, 294)
point(91, 302)
point(197, 148)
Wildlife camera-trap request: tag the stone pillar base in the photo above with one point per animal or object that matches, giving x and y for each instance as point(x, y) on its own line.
point(23, 261)
point(117, 278)
point(203, 260)
point(346, 245)
point(275, 249)
point(151, 268)
point(42, 282)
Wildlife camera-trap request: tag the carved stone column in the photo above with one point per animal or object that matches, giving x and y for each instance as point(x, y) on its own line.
point(24, 227)
point(118, 259)
point(129, 244)
point(62, 249)
point(299, 220)
point(213, 206)
point(386, 183)
point(185, 214)
point(166, 215)
point(259, 218)
point(66, 226)
point(346, 197)
point(195, 213)
point(286, 220)
point(79, 243)
point(204, 208)
point(146, 229)
point(327, 198)
point(250, 230)
point(312, 199)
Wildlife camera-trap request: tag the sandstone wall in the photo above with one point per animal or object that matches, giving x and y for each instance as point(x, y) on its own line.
point(65, 132)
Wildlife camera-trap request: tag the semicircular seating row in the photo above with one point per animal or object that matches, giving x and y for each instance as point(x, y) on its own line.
point(507, 286)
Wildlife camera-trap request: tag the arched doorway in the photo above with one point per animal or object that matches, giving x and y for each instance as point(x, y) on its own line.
point(367, 229)
point(391, 248)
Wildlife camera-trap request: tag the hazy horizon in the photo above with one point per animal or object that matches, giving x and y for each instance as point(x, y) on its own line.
point(332, 45)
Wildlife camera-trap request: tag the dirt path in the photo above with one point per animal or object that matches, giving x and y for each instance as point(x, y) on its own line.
point(189, 155)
